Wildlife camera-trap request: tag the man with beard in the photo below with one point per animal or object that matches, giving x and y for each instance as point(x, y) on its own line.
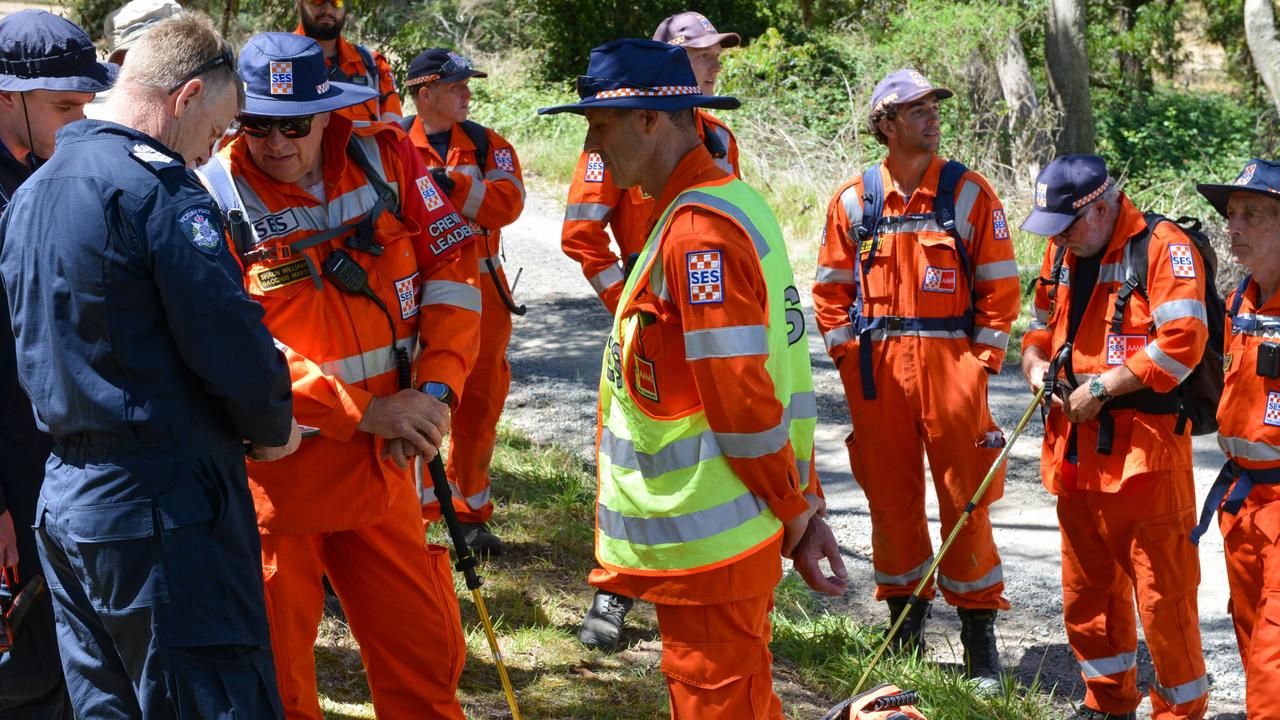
point(322, 21)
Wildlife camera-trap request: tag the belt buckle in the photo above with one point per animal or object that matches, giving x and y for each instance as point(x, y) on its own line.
point(894, 323)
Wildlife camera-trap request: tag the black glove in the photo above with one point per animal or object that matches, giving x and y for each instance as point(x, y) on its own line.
point(441, 176)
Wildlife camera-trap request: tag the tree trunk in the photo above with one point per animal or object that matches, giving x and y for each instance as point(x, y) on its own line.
point(1264, 46)
point(1068, 65)
point(1031, 146)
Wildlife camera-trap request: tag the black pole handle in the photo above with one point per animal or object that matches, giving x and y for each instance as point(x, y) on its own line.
point(466, 562)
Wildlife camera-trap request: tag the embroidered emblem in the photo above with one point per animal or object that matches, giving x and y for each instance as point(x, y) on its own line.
point(1247, 174)
point(679, 40)
point(1042, 194)
point(407, 294)
point(1184, 266)
point(706, 24)
point(865, 246)
point(503, 159)
point(197, 224)
point(1272, 417)
point(430, 197)
point(595, 168)
point(1122, 347)
point(939, 280)
point(999, 227)
point(646, 379)
point(282, 77)
point(274, 278)
point(917, 78)
point(706, 282)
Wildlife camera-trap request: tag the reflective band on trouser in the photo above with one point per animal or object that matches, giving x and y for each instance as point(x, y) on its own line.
point(427, 493)
point(598, 212)
point(910, 577)
point(670, 502)
point(606, 279)
point(448, 292)
point(1114, 665)
point(370, 364)
point(996, 575)
point(1186, 692)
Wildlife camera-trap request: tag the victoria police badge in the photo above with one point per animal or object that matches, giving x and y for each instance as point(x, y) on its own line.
point(197, 224)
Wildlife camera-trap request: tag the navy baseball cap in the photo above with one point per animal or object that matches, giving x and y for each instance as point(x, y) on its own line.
point(41, 51)
point(1062, 188)
point(693, 30)
point(440, 64)
point(1258, 176)
point(640, 74)
point(904, 86)
point(285, 76)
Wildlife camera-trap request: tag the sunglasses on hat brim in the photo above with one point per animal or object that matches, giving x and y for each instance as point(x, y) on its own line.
point(259, 126)
point(337, 4)
point(455, 64)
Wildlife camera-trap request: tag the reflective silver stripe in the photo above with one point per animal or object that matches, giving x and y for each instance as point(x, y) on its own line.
point(965, 199)
point(495, 259)
point(919, 225)
point(680, 529)
point(733, 211)
point(852, 203)
point(906, 578)
point(1186, 692)
point(1111, 272)
point(503, 175)
point(724, 342)
point(1035, 325)
point(879, 335)
point(470, 171)
point(1042, 315)
point(843, 276)
point(475, 502)
point(448, 292)
point(996, 271)
point(1114, 665)
point(599, 212)
point(838, 336)
point(1178, 309)
point(606, 279)
point(803, 466)
point(990, 579)
point(314, 218)
point(1248, 449)
point(803, 406)
point(475, 198)
point(756, 444)
point(1166, 363)
point(358, 368)
point(992, 337)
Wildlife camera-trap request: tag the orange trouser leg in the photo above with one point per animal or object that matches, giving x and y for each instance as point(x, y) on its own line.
point(717, 662)
point(1250, 541)
point(293, 575)
point(1142, 531)
point(474, 428)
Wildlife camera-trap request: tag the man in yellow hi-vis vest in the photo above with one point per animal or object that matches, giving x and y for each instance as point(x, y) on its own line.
point(707, 411)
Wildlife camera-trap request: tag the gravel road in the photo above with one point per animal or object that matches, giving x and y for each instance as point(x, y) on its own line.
point(555, 365)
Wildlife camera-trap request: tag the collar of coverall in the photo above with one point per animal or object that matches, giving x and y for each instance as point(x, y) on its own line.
point(695, 165)
point(928, 186)
point(457, 138)
point(1129, 222)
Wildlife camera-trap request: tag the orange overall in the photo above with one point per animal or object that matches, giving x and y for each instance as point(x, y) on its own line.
point(931, 386)
point(490, 194)
point(335, 507)
point(714, 623)
point(1249, 433)
point(596, 203)
point(1125, 515)
point(351, 68)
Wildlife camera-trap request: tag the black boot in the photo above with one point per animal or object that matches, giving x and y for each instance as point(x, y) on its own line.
point(910, 637)
point(602, 626)
point(981, 656)
point(1084, 712)
point(481, 540)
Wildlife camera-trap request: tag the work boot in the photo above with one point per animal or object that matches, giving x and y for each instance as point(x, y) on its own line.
point(981, 656)
point(481, 541)
point(602, 626)
point(1084, 712)
point(910, 637)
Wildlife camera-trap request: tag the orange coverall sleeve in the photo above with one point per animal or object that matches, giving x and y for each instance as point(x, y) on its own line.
point(833, 288)
point(498, 199)
point(1175, 292)
point(449, 317)
point(324, 401)
point(1038, 333)
point(995, 272)
point(388, 96)
point(734, 388)
point(583, 236)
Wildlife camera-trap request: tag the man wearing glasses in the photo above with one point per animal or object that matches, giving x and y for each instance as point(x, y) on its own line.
point(1113, 454)
point(481, 173)
point(149, 366)
point(354, 252)
point(347, 62)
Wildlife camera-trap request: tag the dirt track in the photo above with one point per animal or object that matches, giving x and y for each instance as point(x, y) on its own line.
point(555, 361)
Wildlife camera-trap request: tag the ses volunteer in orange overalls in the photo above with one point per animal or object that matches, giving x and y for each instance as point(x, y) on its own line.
point(707, 407)
point(1249, 431)
point(915, 294)
point(352, 250)
point(596, 202)
point(1112, 454)
point(348, 62)
point(489, 191)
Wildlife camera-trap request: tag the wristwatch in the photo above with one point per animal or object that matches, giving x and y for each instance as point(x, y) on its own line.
point(439, 391)
point(1098, 390)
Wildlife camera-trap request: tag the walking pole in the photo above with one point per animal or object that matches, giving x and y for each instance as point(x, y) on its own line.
point(955, 531)
point(466, 564)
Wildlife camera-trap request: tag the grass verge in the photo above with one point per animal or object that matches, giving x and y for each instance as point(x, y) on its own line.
point(536, 593)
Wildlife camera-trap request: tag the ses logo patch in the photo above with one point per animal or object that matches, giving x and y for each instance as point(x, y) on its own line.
point(407, 294)
point(282, 78)
point(504, 160)
point(1272, 416)
point(429, 195)
point(706, 279)
point(939, 280)
point(1123, 347)
point(595, 168)
point(999, 227)
point(1184, 265)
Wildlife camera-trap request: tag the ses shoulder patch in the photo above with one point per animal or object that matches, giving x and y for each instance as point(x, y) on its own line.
point(1184, 264)
point(429, 194)
point(706, 278)
point(999, 226)
point(504, 160)
point(1272, 415)
point(199, 226)
point(595, 169)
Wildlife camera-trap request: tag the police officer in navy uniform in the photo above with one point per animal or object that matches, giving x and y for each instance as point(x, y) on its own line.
point(48, 72)
point(150, 368)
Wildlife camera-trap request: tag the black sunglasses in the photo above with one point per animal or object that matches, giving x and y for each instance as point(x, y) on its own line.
point(224, 59)
point(290, 127)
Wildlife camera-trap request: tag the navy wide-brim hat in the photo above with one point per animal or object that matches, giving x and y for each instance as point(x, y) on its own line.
point(285, 76)
point(41, 51)
point(1259, 176)
point(640, 74)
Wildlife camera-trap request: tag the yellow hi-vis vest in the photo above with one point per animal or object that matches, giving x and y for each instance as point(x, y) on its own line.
point(669, 502)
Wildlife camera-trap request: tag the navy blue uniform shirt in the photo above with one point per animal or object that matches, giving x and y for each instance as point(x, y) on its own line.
point(133, 329)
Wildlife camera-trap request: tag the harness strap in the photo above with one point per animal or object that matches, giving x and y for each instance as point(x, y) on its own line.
point(1239, 481)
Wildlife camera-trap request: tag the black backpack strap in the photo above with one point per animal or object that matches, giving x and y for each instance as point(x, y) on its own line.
point(480, 138)
point(388, 196)
point(944, 211)
point(371, 71)
point(867, 232)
